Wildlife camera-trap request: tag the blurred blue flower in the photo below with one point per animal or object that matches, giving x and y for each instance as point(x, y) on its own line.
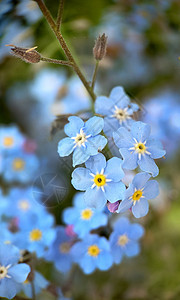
point(83, 217)
point(36, 233)
point(137, 147)
point(124, 239)
point(59, 251)
point(117, 109)
point(39, 283)
point(6, 236)
point(11, 139)
point(137, 195)
point(20, 167)
point(101, 180)
point(11, 273)
point(91, 253)
point(30, 10)
point(83, 139)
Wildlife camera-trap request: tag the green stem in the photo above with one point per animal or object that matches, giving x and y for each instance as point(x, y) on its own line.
point(57, 61)
point(60, 14)
point(65, 48)
point(33, 290)
point(95, 74)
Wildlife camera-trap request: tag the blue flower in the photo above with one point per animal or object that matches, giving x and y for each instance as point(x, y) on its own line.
point(59, 252)
point(101, 180)
point(83, 217)
point(137, 195)
point(39, 283)
point(36, 233)
point(84, 139)
point(11, 273)
point(138, 148)
point(20, 167)
point(117, 109)
point(124, 239)
point(6, 236)
point(91, 253)
point(10, 139)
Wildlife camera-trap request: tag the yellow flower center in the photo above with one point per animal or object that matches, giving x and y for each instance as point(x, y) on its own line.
point(123, 240)
point(23, 205)
point(93, 250)
point(7, 242)
point(35, 235)
point(18, 164)
point(100, 180)
point(8, 141)
point(137, 195)
point(86, 214)
point(64, 247)
point(140, 148)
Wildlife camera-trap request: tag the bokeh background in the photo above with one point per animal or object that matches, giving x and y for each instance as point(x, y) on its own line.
point(142, 56)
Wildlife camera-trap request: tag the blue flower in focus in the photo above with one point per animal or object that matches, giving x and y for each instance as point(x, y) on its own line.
point(101, 180)
point(20, 166)
point(84, 139)
point(11, 273)
point(39, 283)
point(83, 217)
point(59, 252)
point(10, 139)
point(91, 253)
point(124, 239)
point(137, 195)
point(117, 110)
point(137, 147)
point(36, 233)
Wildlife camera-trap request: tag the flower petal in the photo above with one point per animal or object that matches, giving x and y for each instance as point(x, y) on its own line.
point(79, 156)
point(65, 147)
point(103, 105)
point(81, 179)
point(147, 164)
point(114, 191)
point(94, 126)
point(155, 148)
point(130, 159)
point(114, 170)
point(140, 180)
point(151, 190)
point(140, 131)
point(104, 260)
point(95, 198)
point(19, 272)
point(125, 205)
point(136, 231)
point(95, 144)
point(140, 209)
point(96, 163)
point(132, 249)
point(74, 126)
point(123, 138)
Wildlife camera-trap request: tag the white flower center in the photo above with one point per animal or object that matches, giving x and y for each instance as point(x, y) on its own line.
point(4, 272)
point(23, 205)
point(80, 138)
point(121, 114)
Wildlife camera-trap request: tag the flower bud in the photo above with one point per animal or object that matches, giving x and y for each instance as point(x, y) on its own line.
point(112, 207)
point(28, 55)
point(100, 46)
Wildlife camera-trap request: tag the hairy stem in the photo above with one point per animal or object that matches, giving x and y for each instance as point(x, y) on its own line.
point(60, 14)
point(57, 61)
point(95, 74)
point(65, 48)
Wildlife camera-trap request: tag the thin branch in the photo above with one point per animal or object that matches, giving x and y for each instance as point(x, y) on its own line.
point(95, 74)
point(33, 290)
point(57, 61)
point(60, 14)
point(65, 48)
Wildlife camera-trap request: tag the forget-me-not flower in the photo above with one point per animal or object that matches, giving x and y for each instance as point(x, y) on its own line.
point(83, 217)
point(100, 180)
point(83, 139)
point(124, 239)
point(39, 283)
point(11, 273)
point(91, 253)
point(117, 110)
point(138, 148)
point(11, 139)
point(138, 193)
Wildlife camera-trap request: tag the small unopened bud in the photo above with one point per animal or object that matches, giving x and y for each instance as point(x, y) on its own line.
point(100, 46)
point(27, 54)
point(112, 207)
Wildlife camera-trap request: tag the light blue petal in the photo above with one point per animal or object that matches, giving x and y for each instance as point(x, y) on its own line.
point(123, 138)
point(147, 164)
point(114, 191)
point(132, 249)
point(70, 215)
point(125, 205)
point(79, 156)
point(96, 163)
point(140, 180)
point(129, 192)
point(95, 198)
point(78, 250)
point(64, 263)
point(114, 170)
point(74, 126)
point(99, 219)
point(155, 148)
point(116, 254)
point(130, 159)
point(103, 105)
point(40, 281)
point(103, 243)
point(151, 190)
point(8, 288)
point(136, 231)
point(104, 260)
point(117, 94)
point(121, 225)
point(87, 264)
point(140, 131)
point(140, 209)
point(78, 200)
point(81, 179)
point(65, 147)
point(111, 125)
point(94, 126)
point(12, 257)
point(19, 272)
point(95, 144)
